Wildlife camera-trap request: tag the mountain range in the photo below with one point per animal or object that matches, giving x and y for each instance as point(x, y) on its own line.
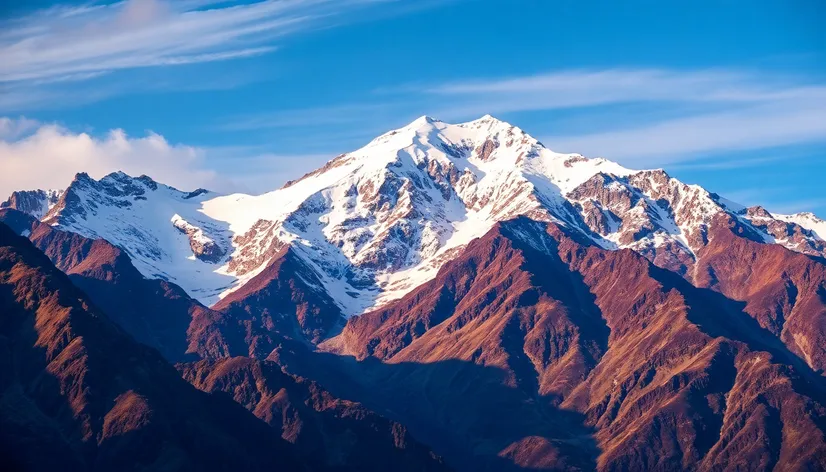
point(447, 297)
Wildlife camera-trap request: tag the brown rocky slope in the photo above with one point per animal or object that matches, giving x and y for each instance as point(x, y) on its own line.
point(156, 312)
point(337, 434)
point(345, 434)
point(77, 393)
point(536, 350)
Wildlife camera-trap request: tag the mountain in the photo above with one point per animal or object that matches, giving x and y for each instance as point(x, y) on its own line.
point(159, 227)
point(34, 202)
point(344, 434)
point(509, 307)
point(159, 314)
point(375, 223)
point(77, 393)
point(538, 346)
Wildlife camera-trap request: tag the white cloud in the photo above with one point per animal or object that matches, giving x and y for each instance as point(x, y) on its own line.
point(689, 113)
point(585, 88)
point(48, 156)
point(72, 41)
point(51, 156)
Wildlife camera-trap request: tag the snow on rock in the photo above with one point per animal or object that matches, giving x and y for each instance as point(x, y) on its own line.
point(134, 213)
point(379, 221)
point(808, 221)
point(800, 232)
point(203, 247)
point(34, 202)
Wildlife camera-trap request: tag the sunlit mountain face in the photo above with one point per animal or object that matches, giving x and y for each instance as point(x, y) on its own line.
point(439, 281)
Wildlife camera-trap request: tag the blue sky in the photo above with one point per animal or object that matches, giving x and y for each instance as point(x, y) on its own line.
point(245, 95)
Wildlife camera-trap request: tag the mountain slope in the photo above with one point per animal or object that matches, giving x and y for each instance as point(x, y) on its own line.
point(159, 314)
point(343, 434)
point(156, 312)
point(515, 308)
point(665, 375)
point(34, 202)
point(75, 382)
point(159, 227)
point(285, 299)
point(784, 291)
point(376, 223)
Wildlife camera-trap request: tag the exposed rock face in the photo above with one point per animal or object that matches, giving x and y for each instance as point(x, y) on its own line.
point(203, 247)
point(657, 216)
point(76, 393)
point(376, 223)
point(662, 375)
point(340, 434)
point(507, 289)
point(33, 202)
point(286, 299)
point(157, 313)
point(786, 231)
point(784, 291)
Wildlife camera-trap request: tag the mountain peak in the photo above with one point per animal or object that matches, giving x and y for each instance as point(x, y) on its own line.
point(423, 120)
point(36, 203)
point(376, 222)
point(489, 119)
point(82, 177)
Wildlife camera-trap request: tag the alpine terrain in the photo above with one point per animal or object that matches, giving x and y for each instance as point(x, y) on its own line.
point(447, 297)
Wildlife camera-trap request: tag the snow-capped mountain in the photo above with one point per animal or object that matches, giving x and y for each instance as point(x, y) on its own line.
point(161, 228)
point(34, 202)
point(377, 222)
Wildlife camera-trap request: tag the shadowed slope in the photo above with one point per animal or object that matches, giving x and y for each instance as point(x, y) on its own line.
point(342, 434)
point(329, 431)
point(156, 312)
point(285, 299)
point(75, 383)
point(783, 290)
point(686, 380)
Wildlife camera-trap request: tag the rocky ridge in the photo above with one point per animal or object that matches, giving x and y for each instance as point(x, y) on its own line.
point(376, 223)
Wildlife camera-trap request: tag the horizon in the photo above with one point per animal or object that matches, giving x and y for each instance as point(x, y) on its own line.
point(734, 102)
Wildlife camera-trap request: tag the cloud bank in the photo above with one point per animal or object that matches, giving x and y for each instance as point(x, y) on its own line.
point(50, 156)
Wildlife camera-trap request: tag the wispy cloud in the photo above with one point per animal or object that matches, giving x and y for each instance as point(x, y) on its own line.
point(65, 41)
point(688, 113)
point(66, 55)
point(765, 125)
point(582, 88)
